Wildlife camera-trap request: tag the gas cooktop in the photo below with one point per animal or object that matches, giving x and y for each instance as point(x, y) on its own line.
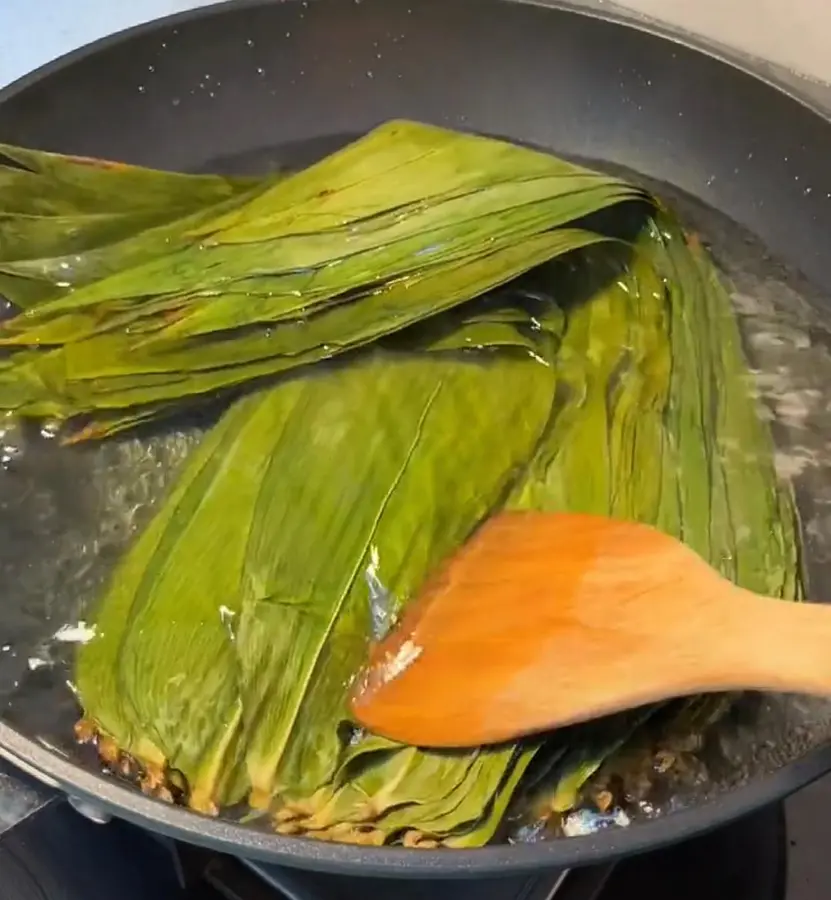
point(49, 851)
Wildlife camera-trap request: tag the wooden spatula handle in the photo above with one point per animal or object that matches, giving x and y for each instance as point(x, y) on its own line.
point(774, 645)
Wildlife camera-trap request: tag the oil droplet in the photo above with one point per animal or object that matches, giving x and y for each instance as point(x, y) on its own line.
point(141, 89)
point(250, 42)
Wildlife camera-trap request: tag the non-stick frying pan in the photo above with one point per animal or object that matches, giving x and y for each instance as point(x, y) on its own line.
point(251, 84)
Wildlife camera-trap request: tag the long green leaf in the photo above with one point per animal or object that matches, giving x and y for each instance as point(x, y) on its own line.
point(59, 213)
point(680, 404)
point(330, 471)
point(354, 478)
point(399, 226)
point(90, 376)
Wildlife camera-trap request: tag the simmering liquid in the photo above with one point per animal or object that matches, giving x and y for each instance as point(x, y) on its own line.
point(67, 514)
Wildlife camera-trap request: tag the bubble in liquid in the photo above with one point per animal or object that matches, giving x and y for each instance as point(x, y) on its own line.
point(50, 429)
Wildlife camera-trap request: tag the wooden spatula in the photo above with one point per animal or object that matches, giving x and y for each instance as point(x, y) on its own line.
point(544, 620)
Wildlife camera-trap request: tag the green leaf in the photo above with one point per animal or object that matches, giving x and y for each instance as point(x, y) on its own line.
point(316, 478)
point(398, 227)
point(342, 478)
point(60, 215)
point(110, 372)
point(676, 397)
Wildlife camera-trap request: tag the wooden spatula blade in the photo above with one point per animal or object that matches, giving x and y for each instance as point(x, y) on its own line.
point(534, 623)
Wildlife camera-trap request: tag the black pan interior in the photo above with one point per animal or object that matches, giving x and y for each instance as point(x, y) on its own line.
point(246, 86)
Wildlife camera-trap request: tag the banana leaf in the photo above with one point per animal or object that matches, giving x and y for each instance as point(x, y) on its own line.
point(59, 215)
point(292, 496)
point(394, 229)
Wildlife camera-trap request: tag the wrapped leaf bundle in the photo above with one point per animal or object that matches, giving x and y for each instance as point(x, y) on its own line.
point(612, 382)
point(399, 226)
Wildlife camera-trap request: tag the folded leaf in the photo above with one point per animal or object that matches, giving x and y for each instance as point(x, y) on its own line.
point(393, 413)
point(295, 494)
point(668, 414)
point(109, 372)
point(58, 212)
point(403, 224)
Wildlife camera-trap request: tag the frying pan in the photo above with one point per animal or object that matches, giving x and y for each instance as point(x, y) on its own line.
point(250, 84)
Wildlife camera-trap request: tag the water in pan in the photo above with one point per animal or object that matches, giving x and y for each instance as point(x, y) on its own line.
point(67, 515)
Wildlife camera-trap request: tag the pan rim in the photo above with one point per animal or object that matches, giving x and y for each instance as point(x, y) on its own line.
point(110, 795)
point(756, 68)
point(57, 771)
